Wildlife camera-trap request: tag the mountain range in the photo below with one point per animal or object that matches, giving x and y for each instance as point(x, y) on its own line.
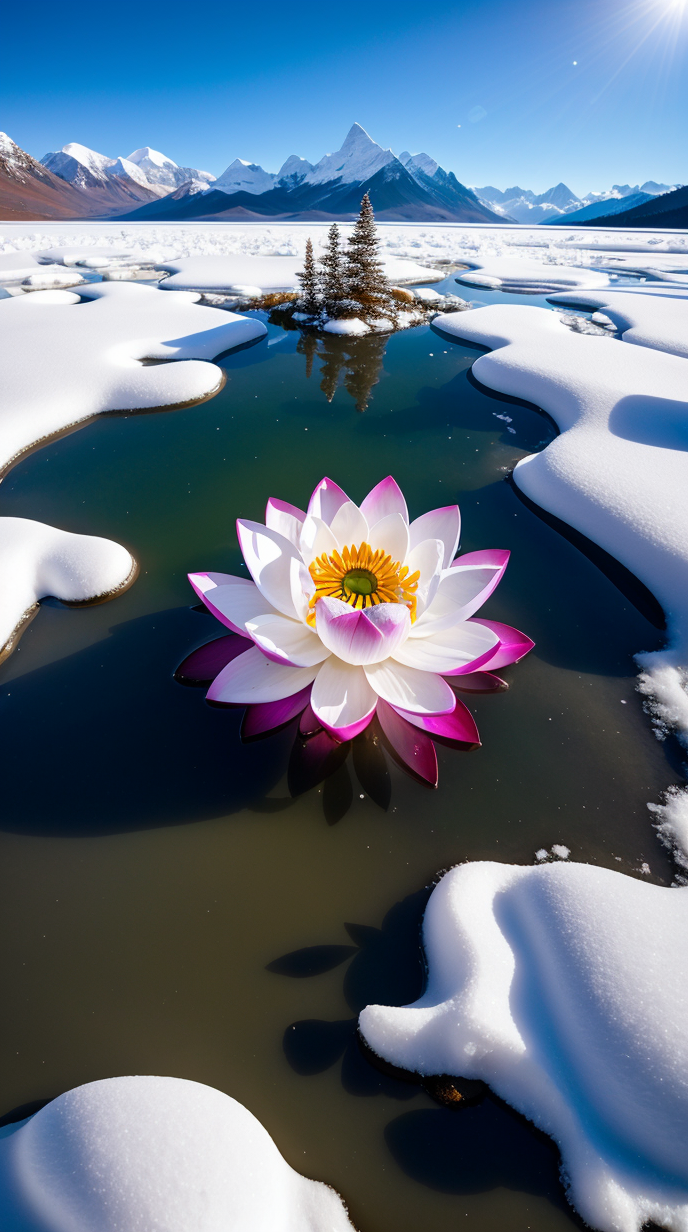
point(560, 204)
point(77, 182)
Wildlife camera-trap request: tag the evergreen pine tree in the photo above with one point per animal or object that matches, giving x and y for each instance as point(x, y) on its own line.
point(333, 288)
point(310, 300)
point(367, 284)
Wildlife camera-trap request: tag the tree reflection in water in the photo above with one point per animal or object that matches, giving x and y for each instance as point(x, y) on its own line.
point(354, 362)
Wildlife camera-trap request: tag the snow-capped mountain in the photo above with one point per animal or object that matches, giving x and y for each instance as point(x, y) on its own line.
point(525, 206)
point(359, 159)
point(293, 171)
point(331, 189)
point(158, 169)
point(145, 175)
point(29, 191)
point(241, 176)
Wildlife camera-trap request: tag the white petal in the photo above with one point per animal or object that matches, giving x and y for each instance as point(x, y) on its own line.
point(449, 650)
point(302, 588)
point(443, 524)
point(341, 696)
point(268, 556)
point(420, 692)
point(253, 678)
point(288, 641)
point(235, 600)
point(391, 534)
point(460, 593)
point(349, 526)
point(316, 538)
point(427, 558)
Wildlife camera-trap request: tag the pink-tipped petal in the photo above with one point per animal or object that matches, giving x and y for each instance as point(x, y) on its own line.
point(514, 644)
point(462, 590)
point(499, 557)
point(368, 635)
point(327, 498)
point(251, 678)
point(410, 689)
point(287, 641)
point(268, 556)
point(411, 747)
point(233, 600)
point(443, 524)
point(204, 664)
point(385, 498)
point(479, 682)
point(459, 725)
point(266, 716)
point(349, 526)
point(309, 723)
point(342, 699)
point(286, 519)
point(463, 648)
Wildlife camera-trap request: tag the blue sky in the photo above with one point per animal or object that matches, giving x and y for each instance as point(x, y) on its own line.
point(490, 89)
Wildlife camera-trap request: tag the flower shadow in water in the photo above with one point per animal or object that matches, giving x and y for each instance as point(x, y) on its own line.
point(469, 1146)
point(317, 756)
point(384, 964)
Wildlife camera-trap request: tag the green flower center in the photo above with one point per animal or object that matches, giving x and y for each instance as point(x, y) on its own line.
point(360, 582)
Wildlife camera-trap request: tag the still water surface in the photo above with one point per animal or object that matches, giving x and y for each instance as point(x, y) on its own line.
point(166, 907)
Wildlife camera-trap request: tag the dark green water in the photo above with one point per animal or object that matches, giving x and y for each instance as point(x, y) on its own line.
point(160, 891)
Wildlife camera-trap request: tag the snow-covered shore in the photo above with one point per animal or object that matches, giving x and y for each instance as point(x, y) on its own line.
point(618, 471)
point(413, 241)
point(565, 987)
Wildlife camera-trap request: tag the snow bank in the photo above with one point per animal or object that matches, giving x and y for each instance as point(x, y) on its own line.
point(64, 361)
point(347, 325)
point(521, 274)
point(619, 470)
point(672, 826)
point(564, 987)
point(275, 273)
point(648, 316)
point(155, 1155)
point(38, 560)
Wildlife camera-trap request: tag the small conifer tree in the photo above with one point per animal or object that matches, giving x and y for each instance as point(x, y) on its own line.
point(310, 300)
point(367, 284)
point(333, 288)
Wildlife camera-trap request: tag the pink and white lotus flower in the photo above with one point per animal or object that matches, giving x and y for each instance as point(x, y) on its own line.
point(354, 611)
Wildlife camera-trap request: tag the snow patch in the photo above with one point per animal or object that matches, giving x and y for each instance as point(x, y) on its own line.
point(38, 560)
point(658, 320)
point(63, 362)
point(565, 988)
point(618, 471)
point(151, 1154)
point(521, 274)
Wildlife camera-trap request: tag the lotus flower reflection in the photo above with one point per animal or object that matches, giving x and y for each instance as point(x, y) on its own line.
point(352, 612)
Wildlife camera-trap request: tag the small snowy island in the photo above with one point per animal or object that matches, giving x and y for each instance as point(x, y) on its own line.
point(350, 293)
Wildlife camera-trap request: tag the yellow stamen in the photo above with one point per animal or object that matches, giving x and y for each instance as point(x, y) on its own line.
point(362, 578)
